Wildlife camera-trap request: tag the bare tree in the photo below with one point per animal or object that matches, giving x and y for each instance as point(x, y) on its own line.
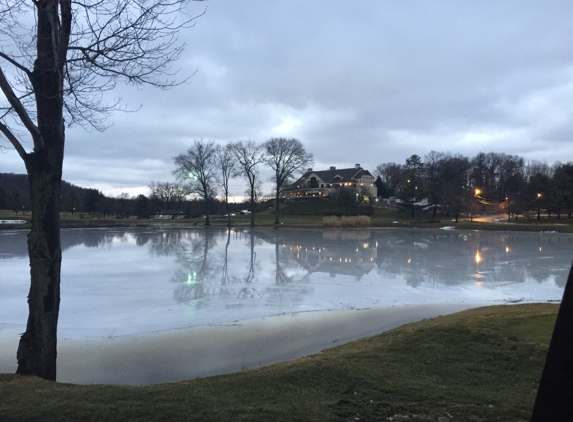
point(228, 166)
point(392, 176)
point(249, 155)
point(57, 59)
point(286, 157)
point(197, 170)
point(166, 193)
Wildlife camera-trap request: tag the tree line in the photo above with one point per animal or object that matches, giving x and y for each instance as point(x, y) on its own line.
point(206, 169)
point(456, 184)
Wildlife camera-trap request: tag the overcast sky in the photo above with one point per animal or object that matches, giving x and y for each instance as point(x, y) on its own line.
point(357, 82)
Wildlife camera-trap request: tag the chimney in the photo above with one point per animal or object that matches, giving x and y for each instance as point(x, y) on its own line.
point(356, 166)
point(332, 168)
point(309, 170)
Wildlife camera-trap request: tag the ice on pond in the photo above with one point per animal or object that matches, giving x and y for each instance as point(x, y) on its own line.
point(118, 282)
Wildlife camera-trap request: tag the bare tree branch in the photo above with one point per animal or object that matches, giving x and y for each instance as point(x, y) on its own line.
point(15, 63)
point(20, 110)
point(15, 143)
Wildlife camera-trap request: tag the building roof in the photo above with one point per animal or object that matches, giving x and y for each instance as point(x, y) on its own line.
point(346, 175)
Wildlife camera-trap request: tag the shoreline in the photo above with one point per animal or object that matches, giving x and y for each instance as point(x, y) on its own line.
point(314, 222)
point(207, 351)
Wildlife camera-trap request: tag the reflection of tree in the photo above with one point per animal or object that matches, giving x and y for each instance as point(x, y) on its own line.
point(291, 284)
point(281, 276)
point(344, 252)
point(168, 242)
point(466, 257)
point(253, 257)
point(193, 284)
point(225, 273)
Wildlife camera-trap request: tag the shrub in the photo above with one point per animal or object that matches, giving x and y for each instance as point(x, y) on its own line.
point(332, 221)
point(344, 221)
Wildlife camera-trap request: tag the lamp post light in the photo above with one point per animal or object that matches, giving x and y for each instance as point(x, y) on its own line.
point(508, 210)
point(474, 207)
point(538, 207)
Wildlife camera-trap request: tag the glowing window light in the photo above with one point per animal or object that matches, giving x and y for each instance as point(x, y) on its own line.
point(478, 257)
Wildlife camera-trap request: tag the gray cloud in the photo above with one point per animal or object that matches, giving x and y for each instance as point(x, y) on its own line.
point(357, 82)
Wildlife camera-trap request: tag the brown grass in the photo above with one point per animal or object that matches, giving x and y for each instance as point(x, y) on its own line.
point(478, 365)
point(346, 222)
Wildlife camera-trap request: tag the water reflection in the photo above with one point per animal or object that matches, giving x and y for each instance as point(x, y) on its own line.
point(203, 260)
point(132, 278)
point(452, 258)
point(348, 253)
point(420, 258)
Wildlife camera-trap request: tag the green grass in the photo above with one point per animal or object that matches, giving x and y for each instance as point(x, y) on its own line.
point(478, 365)
point(309, 214)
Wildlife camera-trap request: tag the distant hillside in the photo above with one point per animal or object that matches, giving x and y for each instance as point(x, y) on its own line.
point(15, 193)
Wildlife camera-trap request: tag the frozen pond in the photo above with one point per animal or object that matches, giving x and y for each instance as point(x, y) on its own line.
point(134, 281)
point(142, 306)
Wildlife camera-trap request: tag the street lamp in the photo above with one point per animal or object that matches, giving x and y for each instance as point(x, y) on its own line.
point(508, 211)
point(538, 208)
point(474, 205)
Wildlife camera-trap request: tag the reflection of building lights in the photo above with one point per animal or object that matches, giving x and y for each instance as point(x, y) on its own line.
point(409, 260)
point(366, 245)
point(478, 257)
point(507, 249)
point(540, 249)
point(479, 284)
point(191, 279)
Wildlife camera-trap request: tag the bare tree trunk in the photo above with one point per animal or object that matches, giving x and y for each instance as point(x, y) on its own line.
point(277, 220)
point(228, 210)
point(37, 348)
point(37, 352)
point(252, 207)
point(207, 222)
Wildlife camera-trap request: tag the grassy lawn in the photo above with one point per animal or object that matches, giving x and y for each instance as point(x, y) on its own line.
point(310, 214)
point(478, 365)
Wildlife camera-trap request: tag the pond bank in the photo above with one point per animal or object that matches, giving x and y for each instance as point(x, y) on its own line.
point(206, 351)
